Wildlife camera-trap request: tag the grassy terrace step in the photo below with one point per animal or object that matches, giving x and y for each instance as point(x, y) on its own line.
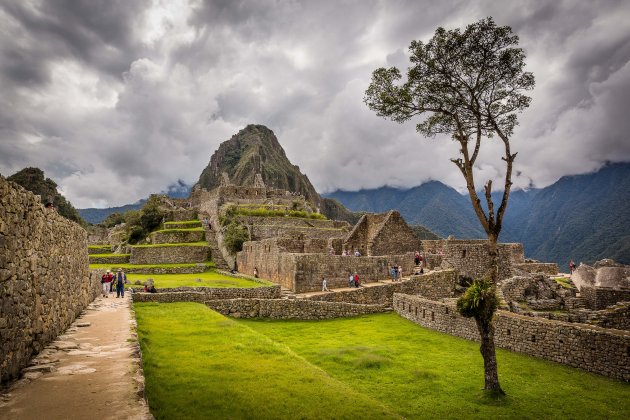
point(209, 278)
point(109, 258)
point(199, 243)
point(158, 268)
point(99, 249)
point(183, 225)
point(180, 253)
point(166, 236)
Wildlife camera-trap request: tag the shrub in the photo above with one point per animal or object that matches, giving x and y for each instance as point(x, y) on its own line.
point(234, 237)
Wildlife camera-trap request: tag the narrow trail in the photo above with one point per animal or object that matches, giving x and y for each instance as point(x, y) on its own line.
point(92, 371)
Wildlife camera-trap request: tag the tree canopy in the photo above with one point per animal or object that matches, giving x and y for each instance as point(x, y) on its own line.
point(471, 84)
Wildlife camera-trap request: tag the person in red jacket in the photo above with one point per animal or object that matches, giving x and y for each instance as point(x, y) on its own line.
point(106, 281)
point(357, 283)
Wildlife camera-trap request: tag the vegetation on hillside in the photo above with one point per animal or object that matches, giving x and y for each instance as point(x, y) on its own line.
point(33, 180)
point(138, 224)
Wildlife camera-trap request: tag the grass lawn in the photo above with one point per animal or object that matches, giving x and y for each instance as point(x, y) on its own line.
point(208, 278)
point(125, 266)
point(199, 364)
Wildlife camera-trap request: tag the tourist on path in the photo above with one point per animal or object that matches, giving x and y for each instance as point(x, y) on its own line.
point(324, 285)
point(392, 271)
point(399, 272)
point(357, 282)
point(106, 282)
point(121, 280)
point(255, 272)
point(351, 280)
point(416, 258)
point(571, 267)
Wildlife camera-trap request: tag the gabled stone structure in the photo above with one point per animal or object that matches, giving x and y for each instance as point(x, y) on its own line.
point(382, 234)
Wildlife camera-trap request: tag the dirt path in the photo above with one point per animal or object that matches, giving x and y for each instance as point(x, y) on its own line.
point(90, 372)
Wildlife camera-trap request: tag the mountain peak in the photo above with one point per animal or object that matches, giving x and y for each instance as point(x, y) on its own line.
point(256, 149)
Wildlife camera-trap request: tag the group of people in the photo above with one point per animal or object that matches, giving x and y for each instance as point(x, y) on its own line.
point(118, 280)
point(396, 272)
point(347, 253)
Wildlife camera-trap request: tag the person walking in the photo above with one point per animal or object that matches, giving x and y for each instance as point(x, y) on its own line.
point(351, 280)
point(357, 282)
point(106, 282)
point(324, 285)
point(121, 280)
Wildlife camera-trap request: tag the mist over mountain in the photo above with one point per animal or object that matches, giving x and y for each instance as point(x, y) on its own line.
point(582, 217)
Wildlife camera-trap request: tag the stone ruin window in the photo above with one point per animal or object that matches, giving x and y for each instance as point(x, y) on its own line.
point(403, 306)
point(409, 308)
point(424, 313)
point(446, 311)
point(416, 311)
point(432, 316)
point(463, 253)
point(533, 338)
point(509, 332)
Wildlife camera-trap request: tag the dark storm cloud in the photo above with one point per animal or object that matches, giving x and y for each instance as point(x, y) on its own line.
point(116, 100)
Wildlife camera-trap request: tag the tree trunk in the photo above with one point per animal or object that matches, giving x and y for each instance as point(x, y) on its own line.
point(493, 254)
point(491, 377)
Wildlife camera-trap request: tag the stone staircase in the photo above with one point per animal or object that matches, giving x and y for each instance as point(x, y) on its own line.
point(575, 304)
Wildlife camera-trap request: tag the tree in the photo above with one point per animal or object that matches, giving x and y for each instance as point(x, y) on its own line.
point(470, 85)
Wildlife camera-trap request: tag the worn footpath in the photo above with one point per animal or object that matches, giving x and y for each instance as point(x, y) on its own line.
point(92, 371)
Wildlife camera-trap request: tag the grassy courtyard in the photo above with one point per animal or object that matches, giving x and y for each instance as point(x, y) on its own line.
point(209, 278)
point(200, 364)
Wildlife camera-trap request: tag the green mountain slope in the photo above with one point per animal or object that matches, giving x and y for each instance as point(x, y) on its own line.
point(255, 149)
point(584, 217)
point(33, 180)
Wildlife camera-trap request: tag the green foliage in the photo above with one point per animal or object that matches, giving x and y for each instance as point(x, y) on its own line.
point(469, 82)
point(33, 180)
point(139, 223)
point(479, 301)
point(234, 236)
point(113, 220)
point(231, 212)
point(200, 364)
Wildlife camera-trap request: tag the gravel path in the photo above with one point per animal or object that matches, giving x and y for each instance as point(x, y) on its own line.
point(92, 371)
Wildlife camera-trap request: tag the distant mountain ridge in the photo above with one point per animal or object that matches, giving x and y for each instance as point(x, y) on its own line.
point(582, 217)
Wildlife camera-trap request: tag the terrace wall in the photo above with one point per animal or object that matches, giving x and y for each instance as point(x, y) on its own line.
point(44, 278)
point(598, 350)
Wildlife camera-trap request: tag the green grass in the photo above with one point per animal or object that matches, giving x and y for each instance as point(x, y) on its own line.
point(124, 266)
point(208, 278)
point(564, 282)
point(199, 364)
point(202, 243)
point(187, 222)
point(196, 229)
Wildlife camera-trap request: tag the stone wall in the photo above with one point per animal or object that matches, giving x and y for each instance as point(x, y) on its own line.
point(187, 269)
point(394, 237)
point(291, 309)
point(174, 236)
point(470, 257)
point(205, 294)
point(285, 262)
point(169, 254)
point(545, 268)
point(594, 349)
point(602, 297)
point(435, 285)
point(44, 277)
point(617, 317)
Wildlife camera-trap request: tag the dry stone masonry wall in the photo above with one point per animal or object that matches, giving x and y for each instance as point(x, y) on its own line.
point(204, 294)
point(602, 297)
point(594, 349)
point(169, 254)
point(44, 277)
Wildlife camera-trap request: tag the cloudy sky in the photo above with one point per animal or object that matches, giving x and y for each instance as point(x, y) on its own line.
point(115, 99)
